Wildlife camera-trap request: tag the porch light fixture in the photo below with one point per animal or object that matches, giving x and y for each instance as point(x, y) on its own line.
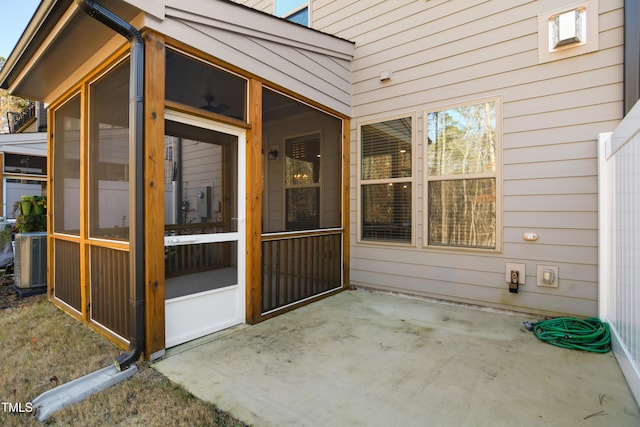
point(568, 31)
point(273, 155)
point(568, 28)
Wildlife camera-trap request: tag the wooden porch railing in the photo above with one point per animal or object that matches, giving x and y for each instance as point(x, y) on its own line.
point(192, 258)
point(300, 266)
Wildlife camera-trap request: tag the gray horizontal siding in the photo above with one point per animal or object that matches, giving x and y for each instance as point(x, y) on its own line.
point(454, 283)
point(312, 64)
point(445, 52)
point(261, 5)
point(550, 152)
point(442, 52)
point(556, 185)
point(551, 203)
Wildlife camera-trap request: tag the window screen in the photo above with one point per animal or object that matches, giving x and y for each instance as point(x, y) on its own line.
point(109, 154)
point(66, 167)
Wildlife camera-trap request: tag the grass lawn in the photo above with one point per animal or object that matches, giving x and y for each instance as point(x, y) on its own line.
point(41, 347)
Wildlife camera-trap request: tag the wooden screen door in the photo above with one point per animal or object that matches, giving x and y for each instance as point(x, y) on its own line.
point(204, 227)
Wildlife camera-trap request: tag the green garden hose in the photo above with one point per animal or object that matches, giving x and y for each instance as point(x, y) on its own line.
point(589, 334)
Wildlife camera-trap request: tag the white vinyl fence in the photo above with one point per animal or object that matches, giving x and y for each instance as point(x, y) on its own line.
point(619, 235)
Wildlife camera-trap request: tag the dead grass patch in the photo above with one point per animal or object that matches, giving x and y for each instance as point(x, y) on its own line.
point(42, 347)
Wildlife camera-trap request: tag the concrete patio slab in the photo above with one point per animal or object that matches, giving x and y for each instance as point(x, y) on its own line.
point(362, 358)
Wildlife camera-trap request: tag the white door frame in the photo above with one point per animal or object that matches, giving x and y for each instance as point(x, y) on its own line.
point(224, 307)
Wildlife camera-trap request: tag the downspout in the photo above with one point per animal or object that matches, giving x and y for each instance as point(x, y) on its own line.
point(136, 193)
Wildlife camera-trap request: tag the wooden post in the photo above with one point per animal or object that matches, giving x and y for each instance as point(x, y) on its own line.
point(254, 205)
point(85, 274)
point(50, 241)
point(154, 193)
point(50, 253)
point(7, 209)
point(346, 226)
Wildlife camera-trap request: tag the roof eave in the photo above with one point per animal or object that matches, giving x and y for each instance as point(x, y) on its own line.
point(17, 55)
point(58, 41)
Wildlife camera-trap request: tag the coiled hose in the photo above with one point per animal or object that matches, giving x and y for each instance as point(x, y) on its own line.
point(590, 334)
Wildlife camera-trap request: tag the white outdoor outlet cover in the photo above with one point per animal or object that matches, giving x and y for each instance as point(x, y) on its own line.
point(547, 276)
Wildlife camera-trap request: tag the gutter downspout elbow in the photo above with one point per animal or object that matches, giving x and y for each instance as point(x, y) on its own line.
point(136, 193)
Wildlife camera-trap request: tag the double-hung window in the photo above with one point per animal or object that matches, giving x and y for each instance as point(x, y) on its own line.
point(385, 181)
point(462, 188)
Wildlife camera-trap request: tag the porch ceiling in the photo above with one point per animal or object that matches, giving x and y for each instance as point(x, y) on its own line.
point(59, 40)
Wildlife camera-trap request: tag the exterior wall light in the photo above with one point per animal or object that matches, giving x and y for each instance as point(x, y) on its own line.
point(568, 31)
point(568, 28)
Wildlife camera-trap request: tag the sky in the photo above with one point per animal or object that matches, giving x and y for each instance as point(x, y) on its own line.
point(285, 6)
point(14, 18)
point(17, 13)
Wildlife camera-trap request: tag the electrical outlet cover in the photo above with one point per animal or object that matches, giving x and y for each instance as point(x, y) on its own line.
point(547, 270)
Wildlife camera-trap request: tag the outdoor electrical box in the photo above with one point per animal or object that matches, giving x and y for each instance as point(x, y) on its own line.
point(204, 202)
point(547, 276)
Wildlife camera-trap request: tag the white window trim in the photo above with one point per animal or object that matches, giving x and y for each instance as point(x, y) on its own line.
point(497, 175)
point(412, 180)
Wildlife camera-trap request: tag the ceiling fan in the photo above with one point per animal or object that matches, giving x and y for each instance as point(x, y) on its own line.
point(214, 108)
